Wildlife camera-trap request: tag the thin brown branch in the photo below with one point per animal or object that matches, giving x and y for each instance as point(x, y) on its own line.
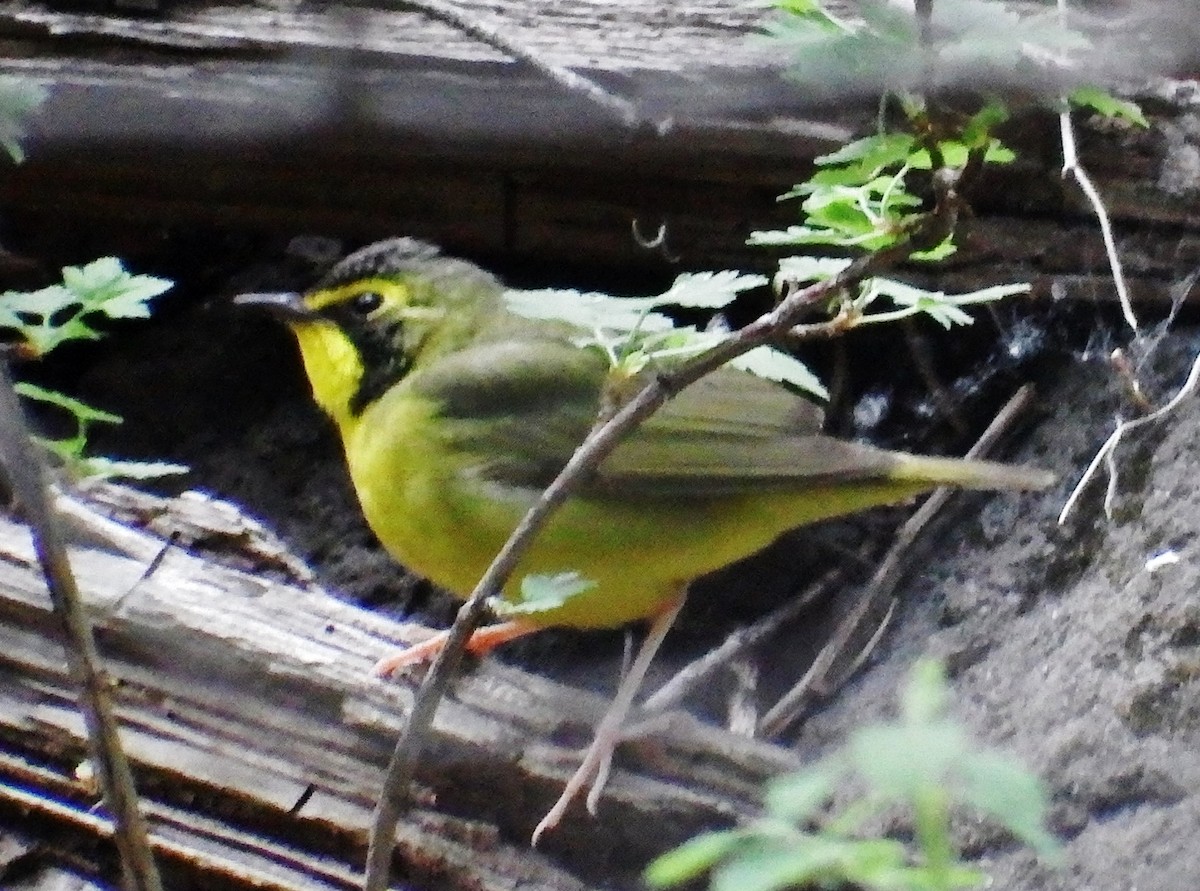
point(624, 110)
point(700, 670)
point(112, 767)
point(926, 232)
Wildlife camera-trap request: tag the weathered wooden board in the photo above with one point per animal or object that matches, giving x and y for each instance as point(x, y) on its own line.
point(367, 119)
point(258, 734)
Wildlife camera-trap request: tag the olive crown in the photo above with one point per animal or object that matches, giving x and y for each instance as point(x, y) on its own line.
point(404, 256)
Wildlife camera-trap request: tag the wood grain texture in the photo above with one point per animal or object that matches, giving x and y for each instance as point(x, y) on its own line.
point(366, 119)
point(258, 734)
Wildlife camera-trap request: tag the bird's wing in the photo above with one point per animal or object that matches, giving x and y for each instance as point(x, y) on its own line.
point(519, 409)
point(733, 432)
point(513, 411)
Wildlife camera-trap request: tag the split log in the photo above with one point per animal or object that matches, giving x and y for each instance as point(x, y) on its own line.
point(258, 735)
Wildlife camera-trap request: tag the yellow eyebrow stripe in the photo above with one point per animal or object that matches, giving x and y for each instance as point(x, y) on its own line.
point(391, 291)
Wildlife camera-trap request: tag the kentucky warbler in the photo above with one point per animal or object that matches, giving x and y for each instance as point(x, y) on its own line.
point(454, 413)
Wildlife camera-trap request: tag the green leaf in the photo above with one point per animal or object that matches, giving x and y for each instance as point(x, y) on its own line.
point(879, 863)
point(936, 878)
point(800, 7)
point(839, 212)
point(44, 303)
point(871, 154)
point(58, 312)
point(1002, 788)
point(596, 311)
point(945, 309)
point(792, 235)
point(83, 412)
point(542, 593)
point(94, 276)
point(902, 760)
point(693, 857)
point(1107, 104)
point(589, 310)
point(104, 286)
point(941, 252)
point(68, 451)
point(774, 866)
point(978, 129)
point(806, 858)
point(956, 154)
point(804, 269)
point(773, 365)
point(926, 694)
point(797, 797)
point(708, 290)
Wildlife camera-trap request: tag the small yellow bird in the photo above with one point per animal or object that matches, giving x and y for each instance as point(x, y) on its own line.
point(455, 412)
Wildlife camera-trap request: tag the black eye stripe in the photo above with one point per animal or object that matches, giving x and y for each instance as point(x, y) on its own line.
point(366, 302)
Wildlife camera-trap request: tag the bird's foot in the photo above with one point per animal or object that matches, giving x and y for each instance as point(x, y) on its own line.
point(597, 761)
point(483, 641)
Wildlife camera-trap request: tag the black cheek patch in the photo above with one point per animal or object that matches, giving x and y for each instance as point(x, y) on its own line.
point(381, 346)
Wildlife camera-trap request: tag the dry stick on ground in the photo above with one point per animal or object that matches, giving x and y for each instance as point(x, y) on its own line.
point(1106, 451)
point(1072, 168)
point(700, 670)
point(817, 681)
point(116, 779)
point(926, 232)
point(918, 351)
point(582, 86)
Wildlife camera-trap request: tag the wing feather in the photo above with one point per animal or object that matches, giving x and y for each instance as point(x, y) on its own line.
point(518, 409)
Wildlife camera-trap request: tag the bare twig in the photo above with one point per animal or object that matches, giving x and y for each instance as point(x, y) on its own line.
point(817, 680)
point(743, 704)
point(624, 110)
point(926, 232)
point(1106, 451)
point(1072, 168)
point(918, 351)
point(93, 527)
point(116, 779)
point(700, 670)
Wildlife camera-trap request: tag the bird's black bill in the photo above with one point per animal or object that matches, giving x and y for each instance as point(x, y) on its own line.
point(287, 306)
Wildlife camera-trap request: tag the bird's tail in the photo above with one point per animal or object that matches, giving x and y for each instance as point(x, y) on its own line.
point(968, 474)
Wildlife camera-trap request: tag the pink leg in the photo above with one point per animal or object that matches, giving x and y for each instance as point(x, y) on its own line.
point(482, 641)
point(596, 761)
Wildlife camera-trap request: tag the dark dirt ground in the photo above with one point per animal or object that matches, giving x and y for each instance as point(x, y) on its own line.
point(1066, 650)
point(1063, 647)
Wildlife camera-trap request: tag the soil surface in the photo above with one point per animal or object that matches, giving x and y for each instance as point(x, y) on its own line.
point(1067, 647)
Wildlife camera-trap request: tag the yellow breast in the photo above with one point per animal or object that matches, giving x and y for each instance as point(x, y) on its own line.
point(442, 521)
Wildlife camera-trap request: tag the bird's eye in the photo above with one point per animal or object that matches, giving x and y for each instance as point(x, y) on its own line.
point(366, 303)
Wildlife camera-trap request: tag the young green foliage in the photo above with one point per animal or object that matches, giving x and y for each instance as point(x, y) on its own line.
point(541, 593)
point(924, 764)
point(909, 300)
point(42, 320)
point(59, 313)
point(634, 334)
point(1108, 105)
point(859, 197)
